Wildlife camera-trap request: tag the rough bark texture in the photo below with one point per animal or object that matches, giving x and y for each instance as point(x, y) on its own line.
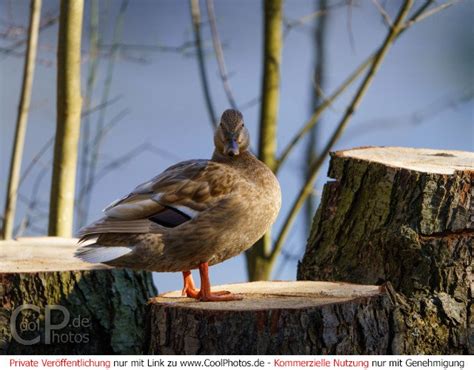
point(273, 318)
point(402, 216)
point(105, 306)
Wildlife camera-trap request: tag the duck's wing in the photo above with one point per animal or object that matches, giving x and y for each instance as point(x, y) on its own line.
point(174, 197)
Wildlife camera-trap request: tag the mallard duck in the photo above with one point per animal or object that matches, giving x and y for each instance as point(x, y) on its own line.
point(195, 214)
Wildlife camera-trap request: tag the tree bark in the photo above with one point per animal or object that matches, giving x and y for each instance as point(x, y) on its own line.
point(91, 309)
point(259, 264)
point(403, 216)
point(273, 318)
point(22, 119)
point(69, 102)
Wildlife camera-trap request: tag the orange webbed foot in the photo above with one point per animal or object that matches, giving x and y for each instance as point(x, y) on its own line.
point(189, 289)
point(205, 294)
point(213, 297)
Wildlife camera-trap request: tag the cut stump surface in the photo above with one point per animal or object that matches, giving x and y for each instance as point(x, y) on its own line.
point(278, 317)
point(41, 281)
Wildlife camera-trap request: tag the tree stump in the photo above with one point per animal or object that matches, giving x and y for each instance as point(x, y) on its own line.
point(403, 216)
point(52, 303)
point(273, 318)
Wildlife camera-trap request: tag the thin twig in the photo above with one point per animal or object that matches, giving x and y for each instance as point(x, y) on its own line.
point(91, 79)
point(319, 110)
point(100, 106)
point(127, 157)
point(32, 204)
point(85, 198)
point(422, 16)
point(196, 20)
point(383, 13)
point(220, 54)
point(321, 96)
point(88, 186)
point(307, 188)
point(12, 49)
point(349, 25)
point(290, 24)
point(251, 103)
point(36, 159)
point(417, 117)
point(180, 49)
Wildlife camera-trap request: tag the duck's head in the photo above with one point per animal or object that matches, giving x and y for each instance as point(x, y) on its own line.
point(231, 137)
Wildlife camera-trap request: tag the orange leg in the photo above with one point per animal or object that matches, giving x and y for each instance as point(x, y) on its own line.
point(205, 293)
point(189, 288)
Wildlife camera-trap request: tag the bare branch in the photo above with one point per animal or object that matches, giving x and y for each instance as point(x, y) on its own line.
point(100, 106)
point(87, 110)
point(321, 95)
point(321, 108)
point(180, 49)
point(220, 54)
point(307, 188)
point(383, 13)
point(127, 157)
point(417, 117)
point(85, 198)
point(12, 49)
point(416, 17)
point(423, 15)
point(349, 25)
point(196, 19)
point(32, 205)
point(36, 159)
point(251, 103)
point(305, 19)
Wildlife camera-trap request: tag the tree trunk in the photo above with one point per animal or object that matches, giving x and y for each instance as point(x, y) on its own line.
point(403, 216)
point(51, 303)
point(68, 120)
point(273, 318)
point(320, 38)
point(22, 120)
point(259, 263)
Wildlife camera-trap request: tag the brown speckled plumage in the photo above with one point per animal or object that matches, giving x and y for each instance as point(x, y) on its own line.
point(227, 203)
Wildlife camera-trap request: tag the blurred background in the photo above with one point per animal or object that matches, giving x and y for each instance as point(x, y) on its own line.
point(141, 83)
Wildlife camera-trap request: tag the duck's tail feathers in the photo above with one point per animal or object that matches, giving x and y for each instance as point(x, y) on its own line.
point(95, 253)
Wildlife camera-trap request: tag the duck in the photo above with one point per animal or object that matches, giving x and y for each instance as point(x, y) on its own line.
point(195, 214)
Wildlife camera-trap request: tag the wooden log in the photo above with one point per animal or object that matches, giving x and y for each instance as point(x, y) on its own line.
point(52, 303)
point(403, 216)
point(273, 318)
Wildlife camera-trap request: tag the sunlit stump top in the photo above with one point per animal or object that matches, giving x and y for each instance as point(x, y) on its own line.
point(274, 317)
point(42, 254)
